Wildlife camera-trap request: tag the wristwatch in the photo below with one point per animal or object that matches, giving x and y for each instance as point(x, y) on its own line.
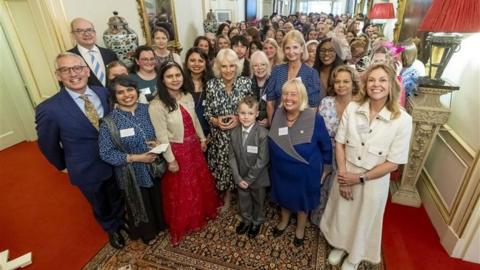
point(363, 178)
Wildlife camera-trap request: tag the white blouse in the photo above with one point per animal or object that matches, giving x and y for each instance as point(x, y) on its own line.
point(370, 144)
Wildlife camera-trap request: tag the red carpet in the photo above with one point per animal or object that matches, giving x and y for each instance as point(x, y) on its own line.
point(41, 212)
point(410, 242)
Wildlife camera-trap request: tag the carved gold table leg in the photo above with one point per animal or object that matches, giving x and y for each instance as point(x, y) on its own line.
point(428, 116)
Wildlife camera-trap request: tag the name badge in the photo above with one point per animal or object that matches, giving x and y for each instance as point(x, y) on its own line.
point(127, 132)
point(142, 98)
point(283, 131)
point(252, 149)
point(363, 128)
point(146, 90)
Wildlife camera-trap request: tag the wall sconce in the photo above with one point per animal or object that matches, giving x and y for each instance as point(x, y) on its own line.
point(444, 21)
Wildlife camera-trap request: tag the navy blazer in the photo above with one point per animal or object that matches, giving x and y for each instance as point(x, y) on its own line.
point(68, 139)
point(108, 56)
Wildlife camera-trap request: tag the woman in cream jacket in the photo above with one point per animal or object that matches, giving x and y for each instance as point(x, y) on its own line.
point(189, 196)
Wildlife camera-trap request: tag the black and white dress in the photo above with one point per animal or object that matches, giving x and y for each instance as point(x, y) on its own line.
point(219, 103)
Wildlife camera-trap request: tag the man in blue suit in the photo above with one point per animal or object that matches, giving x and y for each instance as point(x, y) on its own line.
point(67, 128)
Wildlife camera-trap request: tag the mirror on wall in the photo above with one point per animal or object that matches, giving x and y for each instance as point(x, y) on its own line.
point(159, 13)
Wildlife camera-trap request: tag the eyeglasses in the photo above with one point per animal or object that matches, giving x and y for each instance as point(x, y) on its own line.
point(147, 59)
point(259, 65)
point(66, 70)
point(84, 31)
point(325, 51)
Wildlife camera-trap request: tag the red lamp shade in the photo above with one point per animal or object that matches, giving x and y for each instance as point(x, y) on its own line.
point(461, 16)
point(382, 11)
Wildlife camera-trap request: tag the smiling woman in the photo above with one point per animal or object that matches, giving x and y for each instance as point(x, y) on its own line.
point(125, 138)
point(327, 58)
point(300, 150)
point(144, 73)
point(372, 139)
point(223, 95)
point(188, 190)
point(295, 53)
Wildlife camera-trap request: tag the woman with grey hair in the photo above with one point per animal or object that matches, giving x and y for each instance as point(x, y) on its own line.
point(224, 92)
point(260, 69)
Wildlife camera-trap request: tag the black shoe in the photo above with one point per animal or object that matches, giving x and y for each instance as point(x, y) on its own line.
point(242, 228)
point(124, 227)
point(116, 240)
point(150, 242)
point(276, 232)
point(298, 241)
point(254, 230)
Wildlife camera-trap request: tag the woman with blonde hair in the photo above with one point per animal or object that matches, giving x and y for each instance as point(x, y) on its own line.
point(300, 152)
point(372, 140)
point(223, 95)
point(272, 50)
point(295, 53)
point(223, 42)
point(311, 49)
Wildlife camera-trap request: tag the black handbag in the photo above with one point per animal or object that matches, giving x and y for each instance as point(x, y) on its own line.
point(158, 167)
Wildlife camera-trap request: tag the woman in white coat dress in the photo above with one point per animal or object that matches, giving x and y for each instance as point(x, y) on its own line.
point(372, 139)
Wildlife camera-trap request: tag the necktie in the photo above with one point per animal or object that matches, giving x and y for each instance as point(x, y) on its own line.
point(97, 69)
point(90, 111)
point(244, 136)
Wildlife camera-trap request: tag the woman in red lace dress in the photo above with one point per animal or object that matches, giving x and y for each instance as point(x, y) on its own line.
point(188, 190)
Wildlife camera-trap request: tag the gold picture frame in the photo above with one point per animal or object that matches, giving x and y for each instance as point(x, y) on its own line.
point(159, 13)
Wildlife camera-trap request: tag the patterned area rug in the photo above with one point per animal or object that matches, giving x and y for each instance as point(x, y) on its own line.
point(218, 247)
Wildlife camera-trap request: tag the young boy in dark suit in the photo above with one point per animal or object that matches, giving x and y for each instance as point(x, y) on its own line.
point(249, 159)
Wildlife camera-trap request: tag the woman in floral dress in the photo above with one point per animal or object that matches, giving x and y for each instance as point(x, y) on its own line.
point(223, 94)
point(344, 85)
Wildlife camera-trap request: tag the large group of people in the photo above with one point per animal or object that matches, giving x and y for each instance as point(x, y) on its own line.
point(303, 111)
